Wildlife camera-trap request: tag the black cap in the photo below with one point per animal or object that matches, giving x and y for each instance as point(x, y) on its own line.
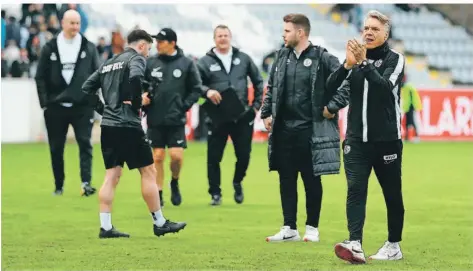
point(166, 34)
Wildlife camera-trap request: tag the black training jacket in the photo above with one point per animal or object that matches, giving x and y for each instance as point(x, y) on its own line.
point(120, 79)
point(374, 113)
point(174, 85)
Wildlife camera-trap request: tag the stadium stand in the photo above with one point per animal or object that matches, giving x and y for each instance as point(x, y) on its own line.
point(439, 54)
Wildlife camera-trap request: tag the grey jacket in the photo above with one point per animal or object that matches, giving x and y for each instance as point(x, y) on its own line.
point(325, 140)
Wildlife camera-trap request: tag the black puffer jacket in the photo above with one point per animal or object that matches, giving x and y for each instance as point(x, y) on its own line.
point(326, 135)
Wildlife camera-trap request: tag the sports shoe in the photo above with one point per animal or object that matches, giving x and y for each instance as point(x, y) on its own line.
point(58, 192)
point(350, 251)
point(311, 234)
point(284, 235)
point(216, 200)
point(112, 233)
point(176, 198)
point(168, 227)
point(238, 196)
point(388, 252)
point(87, 190)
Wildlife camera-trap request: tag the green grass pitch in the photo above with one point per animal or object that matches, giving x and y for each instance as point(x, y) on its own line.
point(40, 231)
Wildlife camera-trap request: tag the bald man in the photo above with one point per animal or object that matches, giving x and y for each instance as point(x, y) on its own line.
point(65, 63)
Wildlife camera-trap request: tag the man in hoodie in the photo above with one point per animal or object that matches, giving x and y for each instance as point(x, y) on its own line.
point(224, 67)
point(64, 65)
point(173, 86)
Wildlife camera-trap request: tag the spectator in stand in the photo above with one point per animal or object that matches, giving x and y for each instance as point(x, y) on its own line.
point(4, 29)
point(53, 25)
point(20, 68)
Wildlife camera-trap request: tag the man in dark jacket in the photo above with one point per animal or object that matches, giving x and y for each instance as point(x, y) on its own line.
point(300, 112)
point(225, 67)
point(65, 63)
point(373, 73)
point(174, 86)
point(123, 139)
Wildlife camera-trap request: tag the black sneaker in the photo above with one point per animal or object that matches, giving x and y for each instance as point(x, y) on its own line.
point(112, 233)
point(176, 198)
point(87, 190)
point(168, 227)
point(216, 200)
point(58, 192)
point(238, 196)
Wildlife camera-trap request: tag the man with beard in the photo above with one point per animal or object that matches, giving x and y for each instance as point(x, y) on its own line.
point(226, 68)
point(373, 72)
point(174, 85)
point(300, 112)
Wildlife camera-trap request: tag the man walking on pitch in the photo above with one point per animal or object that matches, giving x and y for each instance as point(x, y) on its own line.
point(122, 139)
point(174, 85)
point(300, 112)
point(373, 137)
point(222, 67)
point(64, 64)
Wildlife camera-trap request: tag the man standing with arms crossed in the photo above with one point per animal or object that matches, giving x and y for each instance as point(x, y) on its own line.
point(222, 67)
point(300, 112)
point(123, 139)
point(174, 86)
point(64, 64)
point(373, 73)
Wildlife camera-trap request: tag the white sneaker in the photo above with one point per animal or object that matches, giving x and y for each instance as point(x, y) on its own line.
point(311, 234)
point(350, 251)
point(284, 235)
point(388, 252)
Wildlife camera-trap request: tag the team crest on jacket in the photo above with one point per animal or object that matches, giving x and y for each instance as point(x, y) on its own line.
point(236, 61)
point(53, 57)
point(83, 54)
point(156, 73)
point(378, 63)
point(346, 149)
point(307, 62)
point(177, 73)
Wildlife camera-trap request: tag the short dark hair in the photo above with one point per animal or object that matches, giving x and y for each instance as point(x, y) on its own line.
point(137, 35)
point(222, 26)
point(299, 20)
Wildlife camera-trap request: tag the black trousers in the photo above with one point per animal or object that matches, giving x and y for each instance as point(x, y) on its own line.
point(57, 120)
point(293, 152)
point(241, 134)
point(386, 159)
point(410, 121)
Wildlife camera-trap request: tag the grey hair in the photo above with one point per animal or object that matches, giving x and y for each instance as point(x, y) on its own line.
point(380, 17)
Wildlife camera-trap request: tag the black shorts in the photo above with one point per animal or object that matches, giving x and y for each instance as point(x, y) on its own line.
point(164, 136)
point(120, 145)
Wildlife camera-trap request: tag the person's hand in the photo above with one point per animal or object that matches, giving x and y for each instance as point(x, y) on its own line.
point(327, 114)
point(127, 102)
point(145, 100)
point(214, 96)
point(268, 123)
point(350, 58)
point(358, 50)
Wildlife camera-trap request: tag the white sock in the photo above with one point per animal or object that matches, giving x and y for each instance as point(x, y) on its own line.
point(158, 218)
point(106, 221)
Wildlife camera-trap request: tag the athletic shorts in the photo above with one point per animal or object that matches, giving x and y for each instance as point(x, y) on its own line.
point(125, 145)
point(167, 136)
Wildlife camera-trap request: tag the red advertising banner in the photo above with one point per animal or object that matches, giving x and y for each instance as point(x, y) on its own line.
point(447, 115)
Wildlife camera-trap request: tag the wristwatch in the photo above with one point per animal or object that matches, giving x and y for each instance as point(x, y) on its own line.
point(364, 63)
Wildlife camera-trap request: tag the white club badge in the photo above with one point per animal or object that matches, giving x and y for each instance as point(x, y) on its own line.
point(53, 57)
point(83, 54)
point(177, 73)
point(236, 61)
point(378, 63)
point(307, 62)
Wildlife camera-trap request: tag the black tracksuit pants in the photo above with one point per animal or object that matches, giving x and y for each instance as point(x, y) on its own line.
point(241, 134)
point(294, 156)
point(386, 159)
point(57, 120)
